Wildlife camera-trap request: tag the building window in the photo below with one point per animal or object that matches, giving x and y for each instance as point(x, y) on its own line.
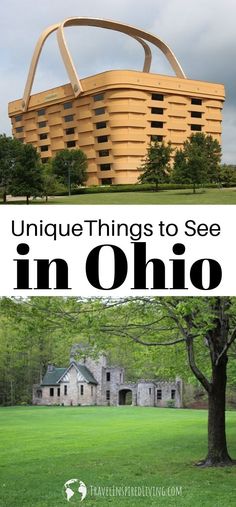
point(157, 138)
point(104, 153)
point(108, 395)
point(41, 112)
point(157, 110)
point(102, 139)
point(67, 105)
point(65, 390)
point(69, 117)
point(196, 102)
point(43, 136)
point(99, 110)
point(58, 391)
point(150, 390)
point(91, 390)
point(42, 124)
point(108, 375)
point(105, 167)
point(21, 139)
point(82, 390)
point(99, 96)
point(157, 124)
point(101, 125)
point(44, 148)
point(157, 96)
point(159, 394)
point(71, 144)
point(196, 114)
point(18, 117)
point(70, 131)
point(19, 129)
point(196, 128)
point(173, 394)
point(44, 160)
point(51, 391)
point(39, 393)
point(106, 181)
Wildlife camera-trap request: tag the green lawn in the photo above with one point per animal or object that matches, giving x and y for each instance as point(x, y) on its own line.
point(209, 196)
point(42, 447)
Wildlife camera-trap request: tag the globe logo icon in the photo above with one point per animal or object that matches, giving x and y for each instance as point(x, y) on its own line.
point(73, 488)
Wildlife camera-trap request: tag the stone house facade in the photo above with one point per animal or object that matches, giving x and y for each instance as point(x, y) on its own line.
point(95, 382)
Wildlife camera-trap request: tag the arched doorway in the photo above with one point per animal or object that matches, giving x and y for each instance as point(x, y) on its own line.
point(125, 397)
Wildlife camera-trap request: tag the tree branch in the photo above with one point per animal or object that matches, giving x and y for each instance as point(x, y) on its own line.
point(227, 346)
point(198, 374)
point(139, 340)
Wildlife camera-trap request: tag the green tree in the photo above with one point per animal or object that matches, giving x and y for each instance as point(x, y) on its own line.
point(207, 329)
point(213, 155)
point(27, 177)
point(198, 162)
point(51, 183)
point(9, 153)
point(156, 165)
point(70, 166)
point(180, 169)
point(228, 175)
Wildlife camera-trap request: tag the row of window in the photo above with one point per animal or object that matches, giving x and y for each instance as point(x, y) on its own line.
point(159, 125)
point(72, 144)
point(159, 394)
point(69, 131)
point(58, 391)
point(160, 97)
point(66, 105)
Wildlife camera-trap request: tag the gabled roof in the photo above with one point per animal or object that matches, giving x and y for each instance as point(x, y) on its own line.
point(51, 377)
point(87, 374)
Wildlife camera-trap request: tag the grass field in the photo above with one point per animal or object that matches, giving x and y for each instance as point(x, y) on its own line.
point(43, 447)
point(209, 196)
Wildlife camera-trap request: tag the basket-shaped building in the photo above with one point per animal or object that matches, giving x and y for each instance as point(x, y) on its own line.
point(113, 116)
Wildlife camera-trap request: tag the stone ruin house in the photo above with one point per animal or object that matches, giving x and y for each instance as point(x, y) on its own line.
point(95, 382)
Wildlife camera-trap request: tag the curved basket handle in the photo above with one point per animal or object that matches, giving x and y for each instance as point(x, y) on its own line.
point(133, 32)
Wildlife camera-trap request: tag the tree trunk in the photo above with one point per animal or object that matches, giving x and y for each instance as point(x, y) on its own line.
point(194, 188)
point(27, 199)
point(4, 197)
point(217, 445)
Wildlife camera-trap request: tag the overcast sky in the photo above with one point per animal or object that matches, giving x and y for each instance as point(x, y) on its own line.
point(201, 33)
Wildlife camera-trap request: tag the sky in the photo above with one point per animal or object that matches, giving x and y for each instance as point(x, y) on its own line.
point(202, 35)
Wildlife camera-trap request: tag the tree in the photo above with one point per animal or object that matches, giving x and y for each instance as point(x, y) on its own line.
point(213, 156)
point(227, 175)
point(9, 153)
point(180, 168)
point(27, 177)
point(198, 162)
point(156, 165)
point(51, 184)
point(70, 167)
point(207, 328)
